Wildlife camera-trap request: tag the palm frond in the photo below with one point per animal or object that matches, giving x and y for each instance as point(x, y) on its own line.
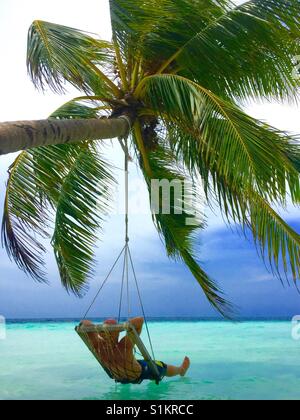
point(83, 201)
point(242, 205)
point(58, 54)
point(154, 29)
point(175, 228)
point(276, 239)
point(278, 243)
point(237, 52)
point(52, 163)
point(251, 151)
point(131, 21)
point(25, 218)
point(75, 110)
point(246, 51)
point(66, 179)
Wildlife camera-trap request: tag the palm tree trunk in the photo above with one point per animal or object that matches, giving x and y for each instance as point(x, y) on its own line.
point(21, 135)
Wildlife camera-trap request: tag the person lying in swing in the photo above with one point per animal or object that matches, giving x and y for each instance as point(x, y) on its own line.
point(118, 358)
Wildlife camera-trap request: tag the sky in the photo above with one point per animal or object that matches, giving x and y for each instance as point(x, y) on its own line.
point(167, 288)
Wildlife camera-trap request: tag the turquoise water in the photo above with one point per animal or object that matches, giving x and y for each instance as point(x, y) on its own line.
point(250, 360)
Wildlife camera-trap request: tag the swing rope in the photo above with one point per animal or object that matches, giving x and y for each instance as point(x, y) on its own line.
point(128, 260)
point(121, 294)
point(104, 283)
point(109, 356)
point(126, 151)
point(142, 305)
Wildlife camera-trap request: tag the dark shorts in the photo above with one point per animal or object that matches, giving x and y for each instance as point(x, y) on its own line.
point(147, 373)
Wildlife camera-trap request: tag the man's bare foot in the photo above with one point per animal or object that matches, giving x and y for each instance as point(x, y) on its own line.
point(185, 366)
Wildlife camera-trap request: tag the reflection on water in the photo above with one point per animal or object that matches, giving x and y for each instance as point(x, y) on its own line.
point(135, 392)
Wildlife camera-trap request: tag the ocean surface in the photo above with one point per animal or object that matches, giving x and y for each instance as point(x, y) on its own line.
point(246, 360)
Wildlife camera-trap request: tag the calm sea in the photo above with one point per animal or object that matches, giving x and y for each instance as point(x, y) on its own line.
point(246, 360)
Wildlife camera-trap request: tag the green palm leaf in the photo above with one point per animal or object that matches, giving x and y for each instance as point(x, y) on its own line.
point(58, 54)
point(132, 21)
point(52, 163)
point(254, 153)
point(243, 205)
point(75, 110)
point(176, 229)
point(276, 239)
point(234, 51)
point(246, 51)
point(25, 218)
point(153, 30)
point(66, 179)
point(83, 201)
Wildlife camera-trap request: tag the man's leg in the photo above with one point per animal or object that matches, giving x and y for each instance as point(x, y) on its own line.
point(181, 370)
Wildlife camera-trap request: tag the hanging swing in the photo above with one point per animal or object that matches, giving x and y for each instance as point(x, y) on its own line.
point(103, 340)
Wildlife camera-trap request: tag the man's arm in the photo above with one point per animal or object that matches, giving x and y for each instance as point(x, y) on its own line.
point(138, 324)
point(126, 344)
point(94, 337)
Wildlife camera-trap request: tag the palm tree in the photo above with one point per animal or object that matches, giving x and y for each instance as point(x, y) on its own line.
point(177, 72)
